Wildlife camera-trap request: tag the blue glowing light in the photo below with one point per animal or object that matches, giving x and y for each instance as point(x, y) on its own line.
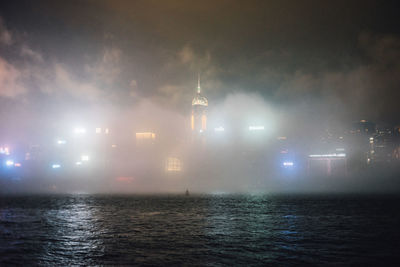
point(56, 166)
point(288, 164)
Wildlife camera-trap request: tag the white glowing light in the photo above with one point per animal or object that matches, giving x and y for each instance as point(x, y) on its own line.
point(256, 128)
point(56, 166)
point(61, 142)
point(334, 155)
point(85, 158)
point(80, 130)
point(219, 129)
point(288, 163)
point(9, 162)
point(78, 163)
point(339, 149)
point(4, 150)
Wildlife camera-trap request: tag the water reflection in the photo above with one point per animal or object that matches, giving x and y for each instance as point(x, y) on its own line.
point(196, 230)
point(74, 229)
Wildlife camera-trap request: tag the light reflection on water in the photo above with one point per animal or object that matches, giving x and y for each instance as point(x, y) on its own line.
point(75, 231)
point(197, 230)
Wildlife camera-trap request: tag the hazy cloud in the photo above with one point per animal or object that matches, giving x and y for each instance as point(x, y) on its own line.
point(107, 69)
point(65, 83)
point(10, 80)
point(5, 35)
point(28, 52)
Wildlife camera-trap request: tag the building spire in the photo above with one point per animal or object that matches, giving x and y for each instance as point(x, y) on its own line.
point(198, 83)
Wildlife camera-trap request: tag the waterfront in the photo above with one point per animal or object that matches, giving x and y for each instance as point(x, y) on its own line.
point(212, 230)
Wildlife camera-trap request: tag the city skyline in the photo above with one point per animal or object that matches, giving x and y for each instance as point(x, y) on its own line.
point(199, 133)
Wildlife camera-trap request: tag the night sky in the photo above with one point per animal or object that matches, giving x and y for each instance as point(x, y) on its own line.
point(336, 58)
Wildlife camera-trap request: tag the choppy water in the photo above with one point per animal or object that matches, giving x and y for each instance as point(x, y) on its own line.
point(199, 230)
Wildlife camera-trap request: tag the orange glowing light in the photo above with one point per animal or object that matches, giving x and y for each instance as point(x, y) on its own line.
point(124, 179)
point(145, 135)
point(203, 122)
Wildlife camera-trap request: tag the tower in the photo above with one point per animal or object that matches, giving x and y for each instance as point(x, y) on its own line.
point(198, 118)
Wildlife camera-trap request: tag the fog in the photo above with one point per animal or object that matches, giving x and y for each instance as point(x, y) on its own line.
point(296, 100)
point(232, 160)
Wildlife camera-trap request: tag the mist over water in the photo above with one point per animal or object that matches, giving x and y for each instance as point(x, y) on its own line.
point(94, 107)
point(234, 160)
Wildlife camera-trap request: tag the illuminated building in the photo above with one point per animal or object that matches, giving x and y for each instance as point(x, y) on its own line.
point(328, 164)
point(361, 142)
point(363, 127)
point(198, 119)
point(145, 138)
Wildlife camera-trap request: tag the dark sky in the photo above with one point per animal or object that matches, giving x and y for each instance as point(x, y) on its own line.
point(338, 56)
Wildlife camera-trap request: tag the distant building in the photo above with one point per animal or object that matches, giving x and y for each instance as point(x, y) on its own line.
point(198, 118)
point(363, 127)
point(327, 164)
point(360, 143)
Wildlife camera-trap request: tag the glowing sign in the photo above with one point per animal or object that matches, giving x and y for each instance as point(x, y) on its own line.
point(56, 166)
point(219, 129)
point(17, 165)
point(145, 135)
point(85, 158)
point(334, 155)
point(125, 179)
point(288, 163)
point(10, 163)
point(256, 128)
point(78, 163)
point(80, 130)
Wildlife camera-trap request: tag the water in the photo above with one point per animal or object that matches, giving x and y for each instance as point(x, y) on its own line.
point(199, 230)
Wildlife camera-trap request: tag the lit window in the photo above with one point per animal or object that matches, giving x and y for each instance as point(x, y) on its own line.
point(173, 165)
point(145, 135)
